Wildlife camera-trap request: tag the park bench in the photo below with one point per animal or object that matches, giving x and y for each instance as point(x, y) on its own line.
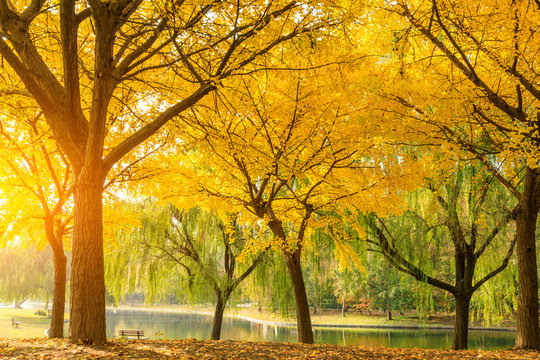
point(131, 333)
point(14, 323)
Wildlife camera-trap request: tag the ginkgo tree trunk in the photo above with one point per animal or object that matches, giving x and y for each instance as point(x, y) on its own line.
point(85, 61)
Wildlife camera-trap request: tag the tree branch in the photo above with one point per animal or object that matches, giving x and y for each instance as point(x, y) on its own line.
point(499, 269)
point(150, 129)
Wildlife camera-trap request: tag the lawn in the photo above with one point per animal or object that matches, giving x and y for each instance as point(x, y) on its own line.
point(31, 325)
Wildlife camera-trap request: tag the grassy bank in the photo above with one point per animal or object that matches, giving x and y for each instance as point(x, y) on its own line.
point(31, 325)
point(326, 317)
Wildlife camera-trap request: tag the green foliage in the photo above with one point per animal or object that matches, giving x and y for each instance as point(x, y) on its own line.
point(471, 205)
point(320, 269)
point(187, 255)
point(25, 274)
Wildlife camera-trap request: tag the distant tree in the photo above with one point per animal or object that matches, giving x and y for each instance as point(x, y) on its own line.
point(382, 284)
point(320, 268)
point(345, 286)
point(24, 274)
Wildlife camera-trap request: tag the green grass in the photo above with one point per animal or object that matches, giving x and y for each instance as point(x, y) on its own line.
point(30, 325)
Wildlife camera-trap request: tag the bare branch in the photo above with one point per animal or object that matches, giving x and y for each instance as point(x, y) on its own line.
point(124, 66)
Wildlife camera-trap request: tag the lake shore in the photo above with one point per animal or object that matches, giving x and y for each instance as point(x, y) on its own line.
point(33, 325)
point(326, 319)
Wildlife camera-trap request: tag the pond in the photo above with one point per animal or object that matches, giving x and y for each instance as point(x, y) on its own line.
point(169, 325)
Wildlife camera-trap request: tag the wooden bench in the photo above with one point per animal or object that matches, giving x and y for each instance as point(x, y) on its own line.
point(14, 323)
point(131, 333)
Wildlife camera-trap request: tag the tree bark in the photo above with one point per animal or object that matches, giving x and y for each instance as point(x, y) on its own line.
point(218, 317)
point(528, 334)
point(303, 318)
point(59, 294)
point(87, 287)
point(461, 322)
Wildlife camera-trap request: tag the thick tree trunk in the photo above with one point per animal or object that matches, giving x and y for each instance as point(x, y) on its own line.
point(218, 317)
point(461, 322)
point(528, 334)
point(388, 312)
point(303, 318)
point(59, 296)
point(87, 286)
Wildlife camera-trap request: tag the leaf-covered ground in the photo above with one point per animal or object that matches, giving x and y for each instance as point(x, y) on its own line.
point(225, 349)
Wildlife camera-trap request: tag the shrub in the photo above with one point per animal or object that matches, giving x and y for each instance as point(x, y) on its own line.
point(41, 312)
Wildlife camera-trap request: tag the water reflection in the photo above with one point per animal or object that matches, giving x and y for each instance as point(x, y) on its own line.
point(185, 326)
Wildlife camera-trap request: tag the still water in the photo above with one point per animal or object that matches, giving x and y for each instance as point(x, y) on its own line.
point(169, 325)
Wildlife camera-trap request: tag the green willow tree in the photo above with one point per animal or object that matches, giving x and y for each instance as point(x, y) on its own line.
point(474, 214)
point(108, 75)
point(321, 271)
point(271, 286)
point(25, 274)
point(204, 250)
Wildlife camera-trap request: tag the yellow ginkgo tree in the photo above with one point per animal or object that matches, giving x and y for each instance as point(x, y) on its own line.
point(84, 61)
point(284, 151)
